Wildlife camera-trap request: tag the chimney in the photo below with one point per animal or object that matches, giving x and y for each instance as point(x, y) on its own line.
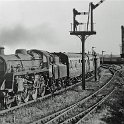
point(1, 50)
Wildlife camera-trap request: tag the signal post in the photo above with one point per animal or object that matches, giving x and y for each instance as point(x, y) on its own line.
point(83, 34)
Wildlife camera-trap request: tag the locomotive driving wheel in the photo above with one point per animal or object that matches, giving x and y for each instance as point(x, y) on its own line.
point(42, 89)
point(26, 98)
point(18, 99)
point(25, 95)
point(34, 94)
point(7, 104)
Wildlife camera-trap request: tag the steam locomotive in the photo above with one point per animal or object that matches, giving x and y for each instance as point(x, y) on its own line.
point(27, 75)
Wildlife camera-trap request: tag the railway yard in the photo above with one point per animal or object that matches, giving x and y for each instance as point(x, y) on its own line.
point(71, 105)
point(43, 84)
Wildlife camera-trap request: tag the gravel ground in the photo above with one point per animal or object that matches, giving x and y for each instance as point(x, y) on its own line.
point(55, 103)
point(112, 111)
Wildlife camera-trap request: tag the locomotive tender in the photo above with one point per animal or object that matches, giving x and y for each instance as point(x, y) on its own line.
point(30, 74)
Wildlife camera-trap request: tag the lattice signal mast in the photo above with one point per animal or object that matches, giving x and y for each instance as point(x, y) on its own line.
point(84, 33)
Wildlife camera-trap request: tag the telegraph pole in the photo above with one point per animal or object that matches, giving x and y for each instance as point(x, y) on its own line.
point(102, 57)
point(122, 38)
point(95, 65)
point(83, 34)
point(111, 58)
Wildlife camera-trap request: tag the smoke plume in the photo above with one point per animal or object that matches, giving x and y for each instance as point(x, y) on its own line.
point(20, 35)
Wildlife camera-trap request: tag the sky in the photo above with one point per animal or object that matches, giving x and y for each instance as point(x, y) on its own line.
point(46, 25)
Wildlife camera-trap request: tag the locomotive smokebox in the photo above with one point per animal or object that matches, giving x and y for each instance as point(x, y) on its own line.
point(1, 50)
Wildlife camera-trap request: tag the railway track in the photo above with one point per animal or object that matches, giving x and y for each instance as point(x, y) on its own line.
point(50, 117)
point(73, 113)
point(79, 109)
point(89, 117)
point(82, 120)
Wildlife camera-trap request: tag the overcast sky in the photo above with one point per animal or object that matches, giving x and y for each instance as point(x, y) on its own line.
point(46, 24)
